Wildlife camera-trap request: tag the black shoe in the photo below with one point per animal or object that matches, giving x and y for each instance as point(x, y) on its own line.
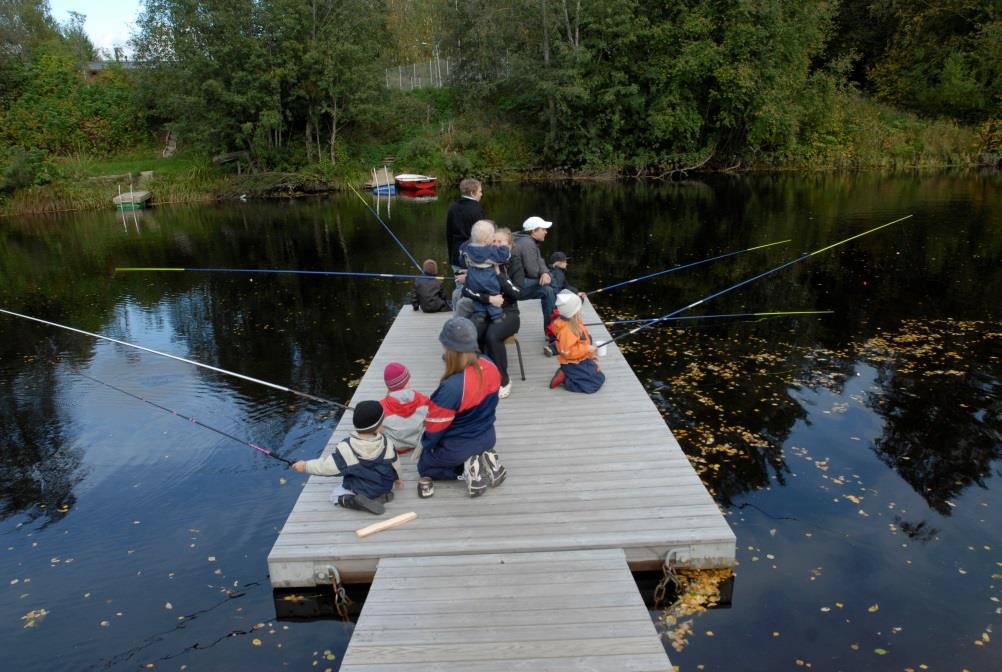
point(385, 498)
point(496, 472)
point(361, 503)
point(475, 476)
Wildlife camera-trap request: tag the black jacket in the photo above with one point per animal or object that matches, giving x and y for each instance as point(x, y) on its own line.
point(429, 294)
point(559, 278)
point(461, 217)
point(511, 278)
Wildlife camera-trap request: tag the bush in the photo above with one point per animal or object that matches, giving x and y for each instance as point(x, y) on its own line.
point(21, 168)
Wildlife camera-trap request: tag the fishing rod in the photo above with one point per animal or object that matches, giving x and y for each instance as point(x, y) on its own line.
point(748, 280)
point(713, 317)
point(304, 395)
point(388, 229)
point(291, 271)
point(689, 265)
point(189, 419)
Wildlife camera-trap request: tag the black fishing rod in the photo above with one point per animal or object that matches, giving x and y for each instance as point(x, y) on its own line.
point(388, 229)
point(304, 395)
point(679, 268)
point(672, 314)
point(189, 419)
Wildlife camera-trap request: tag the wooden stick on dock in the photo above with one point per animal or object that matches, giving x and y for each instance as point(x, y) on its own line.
point(387, 524)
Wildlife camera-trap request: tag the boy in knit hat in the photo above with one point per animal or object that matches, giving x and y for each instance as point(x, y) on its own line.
point(428, 293)
point(404, 409)
point(367, 461)
point(579, 370)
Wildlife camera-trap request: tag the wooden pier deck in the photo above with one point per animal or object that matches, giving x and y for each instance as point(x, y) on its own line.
point(545, 612)
point(599, 471)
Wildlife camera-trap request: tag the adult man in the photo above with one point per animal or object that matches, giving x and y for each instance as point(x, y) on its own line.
point(537, 276)
point(461, 216)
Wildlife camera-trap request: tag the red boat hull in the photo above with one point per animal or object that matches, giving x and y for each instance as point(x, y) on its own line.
point(416, 184)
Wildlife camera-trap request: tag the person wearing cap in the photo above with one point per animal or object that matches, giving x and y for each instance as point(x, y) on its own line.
point(366, 461)
point(404, 409)
point(579, 370)
point(538, 281)
point(428, 293)
point(459, 432)
point(558, 273)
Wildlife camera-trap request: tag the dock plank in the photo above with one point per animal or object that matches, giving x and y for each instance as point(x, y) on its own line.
point(500, 622)
point(616, 479)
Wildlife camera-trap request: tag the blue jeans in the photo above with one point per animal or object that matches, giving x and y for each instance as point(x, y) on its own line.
point(546, 295)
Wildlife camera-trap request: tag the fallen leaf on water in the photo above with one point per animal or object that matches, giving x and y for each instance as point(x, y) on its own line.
point(256, 642)
point(34, 617)
point(873, 608)
point(168, 606)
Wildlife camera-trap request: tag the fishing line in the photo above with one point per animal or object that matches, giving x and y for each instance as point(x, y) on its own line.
point(305, 395)
point(350, 274)
point(713, 317)
point(748, 280)
point(388, 229)
point(189, 419)
point(679, 268)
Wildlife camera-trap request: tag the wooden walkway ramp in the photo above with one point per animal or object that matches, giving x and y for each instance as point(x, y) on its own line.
point(598, 471)
point(545, 612)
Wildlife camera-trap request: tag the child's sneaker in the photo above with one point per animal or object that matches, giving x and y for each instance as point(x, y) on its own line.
point(496, 472)
point(558, 379)
point(361, 503)
point(385, 498)
point(548, 350)
point(473, 474)
point(504, 391)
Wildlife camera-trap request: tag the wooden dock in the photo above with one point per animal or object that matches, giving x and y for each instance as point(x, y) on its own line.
point(546, 612)
point(586, 473)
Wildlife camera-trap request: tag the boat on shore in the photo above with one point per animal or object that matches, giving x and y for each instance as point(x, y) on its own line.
point(414, 182)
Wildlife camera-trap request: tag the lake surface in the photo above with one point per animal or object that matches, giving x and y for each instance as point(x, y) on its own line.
point(855, 454)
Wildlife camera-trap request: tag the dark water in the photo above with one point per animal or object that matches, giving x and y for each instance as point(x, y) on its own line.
point(856, 454)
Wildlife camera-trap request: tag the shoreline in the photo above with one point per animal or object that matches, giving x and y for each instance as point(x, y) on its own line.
point(66, 196)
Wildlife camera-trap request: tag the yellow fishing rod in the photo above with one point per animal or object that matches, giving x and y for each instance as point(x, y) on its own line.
point(672, 314)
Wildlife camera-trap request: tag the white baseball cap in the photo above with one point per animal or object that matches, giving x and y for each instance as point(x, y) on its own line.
point(535, 223)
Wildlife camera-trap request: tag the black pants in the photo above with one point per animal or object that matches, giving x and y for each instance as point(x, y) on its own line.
point(491, 337)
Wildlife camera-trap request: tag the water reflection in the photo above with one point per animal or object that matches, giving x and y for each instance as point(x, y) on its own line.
point(889, 407)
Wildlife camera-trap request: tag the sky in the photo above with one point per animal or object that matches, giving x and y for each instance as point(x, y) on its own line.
point(109, 22)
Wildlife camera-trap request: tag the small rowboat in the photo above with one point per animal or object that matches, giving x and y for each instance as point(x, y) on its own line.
point(411, 182)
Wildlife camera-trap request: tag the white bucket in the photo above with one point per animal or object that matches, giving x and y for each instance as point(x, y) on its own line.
point(602, 349)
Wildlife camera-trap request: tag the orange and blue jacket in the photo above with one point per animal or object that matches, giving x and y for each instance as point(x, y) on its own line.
point(571, 348)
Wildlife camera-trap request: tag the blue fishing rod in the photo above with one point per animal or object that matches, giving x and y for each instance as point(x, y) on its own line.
point(388, 229)
point(679, 268)
point(289, 271)
point(672, 314)
point(775, 313)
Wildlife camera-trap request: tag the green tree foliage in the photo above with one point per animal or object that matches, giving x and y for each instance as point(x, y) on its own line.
point(624, 81)
point(939, 58)
point(279, 78)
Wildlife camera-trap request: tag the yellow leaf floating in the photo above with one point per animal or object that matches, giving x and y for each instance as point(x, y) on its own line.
point(256, 642)
point(880, 652)
point(873, 608)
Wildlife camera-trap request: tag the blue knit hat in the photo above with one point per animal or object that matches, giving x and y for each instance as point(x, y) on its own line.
point(459, 335)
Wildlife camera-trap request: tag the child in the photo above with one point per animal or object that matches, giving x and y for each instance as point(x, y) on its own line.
point(578, 372)
point(404, 409)
point(428, 293)
point(558, 273)
point(366, 460)
point(482, 259)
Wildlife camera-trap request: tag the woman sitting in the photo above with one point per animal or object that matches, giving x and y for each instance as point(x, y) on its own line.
point(491, 335)
point(459, 428)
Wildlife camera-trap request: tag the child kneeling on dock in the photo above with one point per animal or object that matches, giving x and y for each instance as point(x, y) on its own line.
point(366, 459)
point(404, 409)
point(579, 370)
point(428, 293)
